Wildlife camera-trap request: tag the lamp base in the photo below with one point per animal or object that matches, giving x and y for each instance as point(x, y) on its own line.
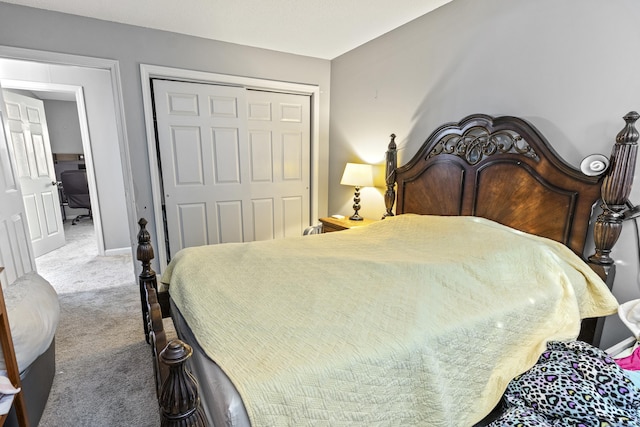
point(356, 206)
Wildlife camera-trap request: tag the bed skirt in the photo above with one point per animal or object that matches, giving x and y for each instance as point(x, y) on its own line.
point(220, 400)
point(36, 380)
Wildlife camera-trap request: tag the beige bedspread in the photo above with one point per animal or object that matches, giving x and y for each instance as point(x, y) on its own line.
point(414, 320)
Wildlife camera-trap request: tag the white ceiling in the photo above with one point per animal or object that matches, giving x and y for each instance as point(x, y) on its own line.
point(319, 28)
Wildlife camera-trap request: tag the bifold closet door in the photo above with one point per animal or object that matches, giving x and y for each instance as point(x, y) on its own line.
point(235, 163)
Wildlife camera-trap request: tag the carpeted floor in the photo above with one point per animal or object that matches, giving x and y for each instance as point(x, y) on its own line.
point(104, 375)
point(78, 267)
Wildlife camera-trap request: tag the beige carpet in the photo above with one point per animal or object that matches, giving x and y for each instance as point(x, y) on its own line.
point(104, 375)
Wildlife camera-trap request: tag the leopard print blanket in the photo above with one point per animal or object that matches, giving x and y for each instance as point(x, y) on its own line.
point(572, 384)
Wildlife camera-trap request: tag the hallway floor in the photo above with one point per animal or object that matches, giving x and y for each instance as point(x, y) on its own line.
point(77, 266)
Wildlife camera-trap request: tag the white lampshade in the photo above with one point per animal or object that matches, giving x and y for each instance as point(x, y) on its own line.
point(357, 175)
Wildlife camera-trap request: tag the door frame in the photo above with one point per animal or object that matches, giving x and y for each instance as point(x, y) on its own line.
point(113, 68)
point(148, 72)
point(78, 93)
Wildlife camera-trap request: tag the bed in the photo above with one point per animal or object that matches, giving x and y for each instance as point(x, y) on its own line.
point(481, 247)
point(33, 312)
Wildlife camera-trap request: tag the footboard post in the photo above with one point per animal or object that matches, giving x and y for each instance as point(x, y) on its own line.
point(616, 188)
point(179, 398)
point(390, 176)
point(147, 277)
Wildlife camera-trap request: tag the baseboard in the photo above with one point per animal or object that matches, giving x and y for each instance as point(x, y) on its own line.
point(117, 251)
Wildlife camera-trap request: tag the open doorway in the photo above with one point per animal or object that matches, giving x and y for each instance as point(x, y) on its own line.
point(51, 116)
point(94, 86)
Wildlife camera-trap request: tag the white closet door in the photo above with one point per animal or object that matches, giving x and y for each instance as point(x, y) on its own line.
point(29, 139)
point(235, 163)
point(279, 141)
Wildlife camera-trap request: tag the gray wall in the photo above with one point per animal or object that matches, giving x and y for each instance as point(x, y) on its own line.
point(64, 126)
point(132, 46)
point(571, 68)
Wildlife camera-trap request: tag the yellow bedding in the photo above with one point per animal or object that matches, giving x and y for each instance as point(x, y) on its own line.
point(414, 320)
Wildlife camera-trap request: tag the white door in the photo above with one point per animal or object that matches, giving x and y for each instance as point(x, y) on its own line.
point(16, 255)
point(235, 163)
point(29, 140)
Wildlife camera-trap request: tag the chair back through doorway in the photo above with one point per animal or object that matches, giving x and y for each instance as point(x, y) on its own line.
point(76, 190)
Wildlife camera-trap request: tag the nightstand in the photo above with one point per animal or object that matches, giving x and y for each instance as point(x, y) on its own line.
point(330, 224)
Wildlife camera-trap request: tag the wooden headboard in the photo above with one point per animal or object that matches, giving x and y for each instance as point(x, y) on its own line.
point(503, 169)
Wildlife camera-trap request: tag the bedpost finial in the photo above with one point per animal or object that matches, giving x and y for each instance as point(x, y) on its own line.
point(616, 187)
point(179, 398)
point(176, 352)
point(632, 115)
point(390, 178)
point(145, 250)
point(629, 134)
point(143, 234)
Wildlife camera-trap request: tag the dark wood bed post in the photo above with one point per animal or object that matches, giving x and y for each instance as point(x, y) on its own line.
point(179, 398)
point(616, 187)
point(390, 176)
point(151, 311)
point(145, 254)
point(177, 390)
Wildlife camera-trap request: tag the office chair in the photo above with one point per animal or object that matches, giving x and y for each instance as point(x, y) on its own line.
point(76, 189)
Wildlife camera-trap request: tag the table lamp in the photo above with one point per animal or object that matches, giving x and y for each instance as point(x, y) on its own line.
point(357, 175)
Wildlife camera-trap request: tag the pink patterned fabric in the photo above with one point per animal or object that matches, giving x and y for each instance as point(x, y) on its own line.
point(631, 362)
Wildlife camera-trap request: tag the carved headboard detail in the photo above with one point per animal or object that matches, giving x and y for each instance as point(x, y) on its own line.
point(477, 143)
